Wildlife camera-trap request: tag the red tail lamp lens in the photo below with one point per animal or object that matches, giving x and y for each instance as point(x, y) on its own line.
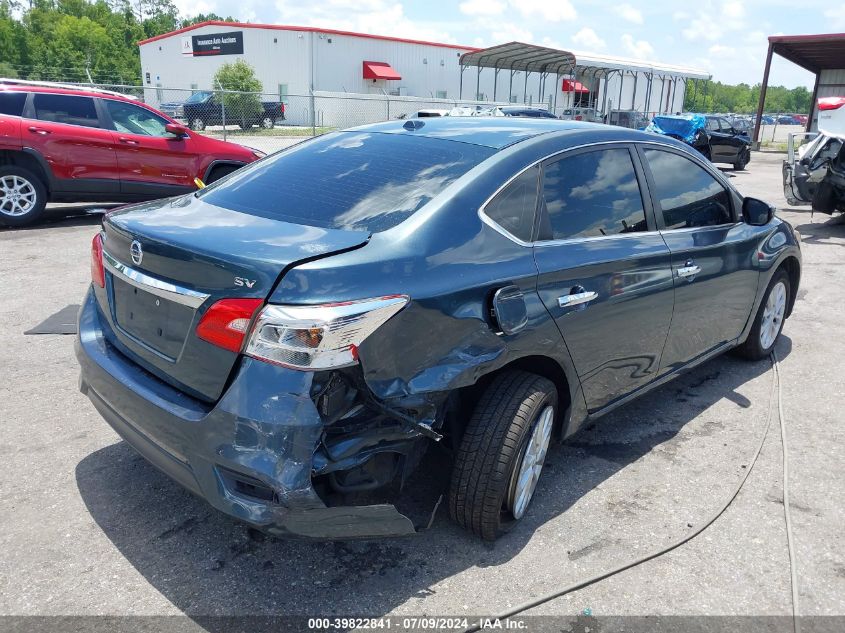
point(98, 274)
point(225, 323)
point(831, 103)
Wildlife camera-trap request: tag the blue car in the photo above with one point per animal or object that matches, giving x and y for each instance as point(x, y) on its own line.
point(294, 341)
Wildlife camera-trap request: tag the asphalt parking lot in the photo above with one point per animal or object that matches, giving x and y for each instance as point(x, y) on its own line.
point(89, 528)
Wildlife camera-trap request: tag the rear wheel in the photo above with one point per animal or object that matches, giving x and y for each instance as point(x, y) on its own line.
point(502, 453)
point(769, 320)
point(267, 123)
point(22, 196)
point(197, 124)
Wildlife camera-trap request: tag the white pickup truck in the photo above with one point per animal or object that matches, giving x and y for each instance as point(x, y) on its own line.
point(815, 173)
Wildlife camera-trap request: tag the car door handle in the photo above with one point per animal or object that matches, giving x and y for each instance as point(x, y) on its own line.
point(127, 141)
point(576, 298)
point(690, 270)
point(38, 130)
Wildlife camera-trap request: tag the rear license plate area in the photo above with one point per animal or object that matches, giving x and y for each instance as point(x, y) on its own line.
point(156, 322)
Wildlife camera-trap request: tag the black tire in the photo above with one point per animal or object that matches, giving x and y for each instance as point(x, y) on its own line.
point(705, 151)
point(245, 126)
point(492, 447)
point(198, 124)
point(20, 186)
point(742, 162)
point(753, 348)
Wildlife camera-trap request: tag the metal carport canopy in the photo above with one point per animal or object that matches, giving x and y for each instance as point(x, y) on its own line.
point(516, 57)
point(519, 56)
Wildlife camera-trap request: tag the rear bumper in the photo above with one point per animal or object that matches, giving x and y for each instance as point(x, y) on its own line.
point(250, 455)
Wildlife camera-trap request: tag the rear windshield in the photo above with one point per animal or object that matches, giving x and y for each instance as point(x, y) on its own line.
point(348, 180)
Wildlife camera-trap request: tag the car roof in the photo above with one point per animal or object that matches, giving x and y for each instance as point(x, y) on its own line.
point(494, 132)
point(80, 92)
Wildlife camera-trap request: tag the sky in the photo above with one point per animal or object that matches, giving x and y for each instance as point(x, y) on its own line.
point(724, 37)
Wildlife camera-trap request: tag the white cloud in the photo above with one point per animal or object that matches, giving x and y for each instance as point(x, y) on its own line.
point(482, 7)
point(378, 17)
point(548, 10)
point(629, 13)
point(733, 10)
point(195, 7)
point(720, 50)
point(589, 39)
point(510, 32)
point(639, 49)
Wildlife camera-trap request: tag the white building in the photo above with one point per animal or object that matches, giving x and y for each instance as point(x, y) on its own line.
point(311, 69)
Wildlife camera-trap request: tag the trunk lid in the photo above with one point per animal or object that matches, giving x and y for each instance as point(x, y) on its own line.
point(168, 261)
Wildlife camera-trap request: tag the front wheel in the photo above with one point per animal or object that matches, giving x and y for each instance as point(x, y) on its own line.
point(768, 323)
point(22, 196)
point(502, 453)
point(742, 161)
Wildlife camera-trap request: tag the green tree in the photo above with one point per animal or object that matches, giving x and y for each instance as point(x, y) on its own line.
point(240, 92)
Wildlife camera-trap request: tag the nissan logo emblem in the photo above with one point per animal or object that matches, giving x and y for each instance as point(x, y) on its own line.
point(137, 252)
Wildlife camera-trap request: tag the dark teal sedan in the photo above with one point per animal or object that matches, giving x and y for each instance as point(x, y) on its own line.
point(290, 342)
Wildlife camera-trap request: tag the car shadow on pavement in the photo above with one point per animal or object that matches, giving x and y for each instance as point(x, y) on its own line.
point(822, 230)
point(65, 216)
point(209, 565)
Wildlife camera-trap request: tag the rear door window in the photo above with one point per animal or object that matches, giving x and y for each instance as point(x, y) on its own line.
point(593, 194)
point(348, 180)
point(68, 109)
point(687, 194)
point(12, 103)
point(514, 207)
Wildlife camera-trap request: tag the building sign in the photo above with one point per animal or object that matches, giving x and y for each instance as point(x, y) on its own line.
point(231, 43)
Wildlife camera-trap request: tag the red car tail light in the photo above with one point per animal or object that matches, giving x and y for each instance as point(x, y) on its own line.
point(226, 322)
point(98, 273)
point(831, 103)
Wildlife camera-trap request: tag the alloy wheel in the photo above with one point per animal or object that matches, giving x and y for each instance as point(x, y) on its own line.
point(773, 315)
point(17, 196)
point(527, 472)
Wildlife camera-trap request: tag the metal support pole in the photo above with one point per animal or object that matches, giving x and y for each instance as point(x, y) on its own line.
point(510, 84)
point(634, 94)
point(461, 83)
point(662, 89)
point(477, 84)
point(621, 84)
point(762, 101)
point(557, 89)
point(813, 103)
point(525, 88)
point(647, 93)
point(495, 81)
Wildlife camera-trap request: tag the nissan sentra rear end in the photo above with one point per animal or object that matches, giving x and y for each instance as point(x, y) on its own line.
point(261, 407)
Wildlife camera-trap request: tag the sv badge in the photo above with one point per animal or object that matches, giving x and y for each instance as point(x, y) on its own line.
point(243, 281)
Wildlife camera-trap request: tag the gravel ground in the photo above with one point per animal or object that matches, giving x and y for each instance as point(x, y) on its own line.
point(90, 528)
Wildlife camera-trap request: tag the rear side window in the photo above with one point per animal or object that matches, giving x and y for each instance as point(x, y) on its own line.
point(348, 180)
point(66, 109)
point(593, 194)
point(687, 194)
point(11, 103)
point(513, 208)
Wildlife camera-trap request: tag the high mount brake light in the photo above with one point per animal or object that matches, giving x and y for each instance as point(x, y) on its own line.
point(98, 273)
point(320, 336)
point(226, 322)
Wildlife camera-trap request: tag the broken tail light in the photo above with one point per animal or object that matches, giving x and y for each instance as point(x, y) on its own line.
point(98, 273)
point(320, 336)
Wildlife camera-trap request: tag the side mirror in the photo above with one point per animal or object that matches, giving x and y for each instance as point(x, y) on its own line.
point(757, 212)
point(179, 131)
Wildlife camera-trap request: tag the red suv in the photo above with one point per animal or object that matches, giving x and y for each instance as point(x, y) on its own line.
point(59, 143)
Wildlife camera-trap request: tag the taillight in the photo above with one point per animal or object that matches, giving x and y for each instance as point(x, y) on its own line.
point(320, 336)
point(831, 103)
point(98, 273)
point(226, 322)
